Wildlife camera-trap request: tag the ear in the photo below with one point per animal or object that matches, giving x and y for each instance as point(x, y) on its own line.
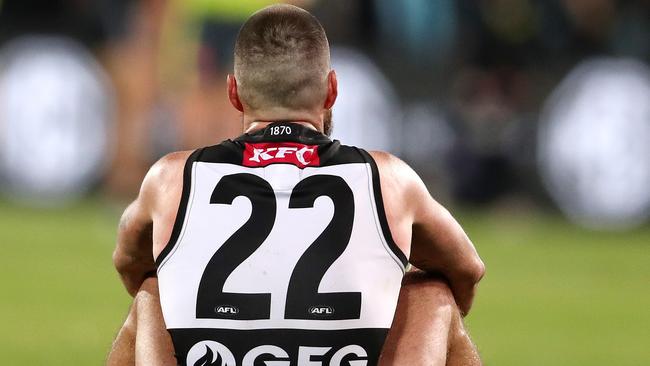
point(233, 95)
point(332, 90)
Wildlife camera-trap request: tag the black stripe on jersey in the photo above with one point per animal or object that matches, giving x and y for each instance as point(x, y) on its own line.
point(379, 201)
point(226, 152)
point(182, 207)
point(236, 344)
point(334, 153)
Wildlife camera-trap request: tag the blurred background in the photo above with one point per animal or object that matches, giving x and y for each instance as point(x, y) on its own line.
point(529, 119)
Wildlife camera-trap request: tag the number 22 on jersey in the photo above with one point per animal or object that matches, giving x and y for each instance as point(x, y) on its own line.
point(303, 301)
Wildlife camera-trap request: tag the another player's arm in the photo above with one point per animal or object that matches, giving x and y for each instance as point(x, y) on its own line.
point(440, 245)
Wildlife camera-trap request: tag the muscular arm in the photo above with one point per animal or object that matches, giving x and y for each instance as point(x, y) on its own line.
point(133, 256)
point(157, 202)
point(438, 244)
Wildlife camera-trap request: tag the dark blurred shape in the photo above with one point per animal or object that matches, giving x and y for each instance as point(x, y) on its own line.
point(422, 30)
point(86, 21)
point(349, 23)
point(479, 178)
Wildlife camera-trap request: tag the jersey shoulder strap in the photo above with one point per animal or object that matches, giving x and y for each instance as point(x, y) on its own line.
point(381, 212)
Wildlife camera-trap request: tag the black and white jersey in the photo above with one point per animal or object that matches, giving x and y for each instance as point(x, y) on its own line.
point(280, 255)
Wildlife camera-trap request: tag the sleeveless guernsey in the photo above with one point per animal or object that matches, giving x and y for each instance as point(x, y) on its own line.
point(280, 254)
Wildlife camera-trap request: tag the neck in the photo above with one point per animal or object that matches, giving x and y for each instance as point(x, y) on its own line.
point(255, 120)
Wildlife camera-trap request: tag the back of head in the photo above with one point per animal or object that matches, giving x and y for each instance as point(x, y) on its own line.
point(282, 59)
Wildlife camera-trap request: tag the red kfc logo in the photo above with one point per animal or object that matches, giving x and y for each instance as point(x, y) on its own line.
point(263, 154)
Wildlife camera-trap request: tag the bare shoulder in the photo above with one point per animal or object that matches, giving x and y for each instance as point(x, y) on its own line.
point(399, 176)
point(169, 163)
point(403, 193)
point(388, 160)
point(167, 167)
point(164, 174)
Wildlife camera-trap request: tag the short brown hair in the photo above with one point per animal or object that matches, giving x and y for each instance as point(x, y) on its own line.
point(282, 59)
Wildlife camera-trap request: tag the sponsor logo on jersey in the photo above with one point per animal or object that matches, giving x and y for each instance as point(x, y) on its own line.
point(207, 359)
point(226, 310)
point(210, 353)
point(263, 154)
point(321, 310)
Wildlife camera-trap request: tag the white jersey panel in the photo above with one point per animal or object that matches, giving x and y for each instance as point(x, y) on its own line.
point(367, 265)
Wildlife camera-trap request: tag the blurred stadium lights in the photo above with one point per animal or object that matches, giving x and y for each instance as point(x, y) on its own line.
point(594, 143)
point(55, 107)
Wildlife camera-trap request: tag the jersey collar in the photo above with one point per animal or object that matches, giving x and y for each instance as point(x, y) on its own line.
point(285, 131)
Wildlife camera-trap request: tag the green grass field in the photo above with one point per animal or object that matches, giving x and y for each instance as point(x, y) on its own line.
point(553, 295)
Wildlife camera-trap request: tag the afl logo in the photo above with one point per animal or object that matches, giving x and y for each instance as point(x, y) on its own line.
point(226, 310)
point(210, 353)
point(321, 310)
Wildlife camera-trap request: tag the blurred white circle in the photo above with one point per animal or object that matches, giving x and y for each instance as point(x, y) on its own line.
point(594, 143)
point(55, 108)
point(367, 112)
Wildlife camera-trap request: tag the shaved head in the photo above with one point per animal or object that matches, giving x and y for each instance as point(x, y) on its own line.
point(282, 59)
